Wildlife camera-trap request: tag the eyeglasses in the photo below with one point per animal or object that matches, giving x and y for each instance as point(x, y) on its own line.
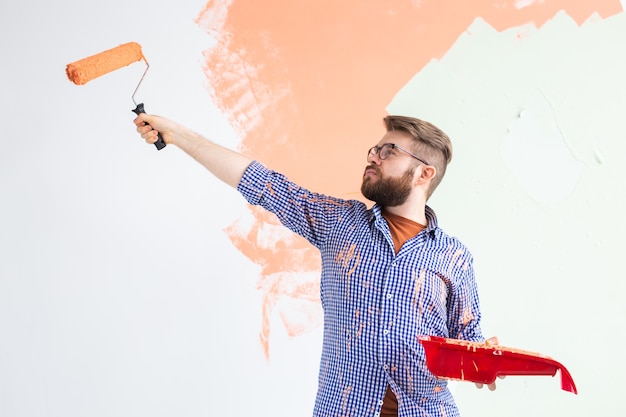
point(384, 151)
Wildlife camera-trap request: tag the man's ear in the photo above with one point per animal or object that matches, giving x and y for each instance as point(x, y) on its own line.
point(427, 173)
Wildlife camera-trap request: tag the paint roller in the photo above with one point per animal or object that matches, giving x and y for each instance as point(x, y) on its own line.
point(86, 69)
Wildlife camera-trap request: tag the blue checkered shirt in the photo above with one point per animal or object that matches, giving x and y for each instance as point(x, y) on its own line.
point(376, 302)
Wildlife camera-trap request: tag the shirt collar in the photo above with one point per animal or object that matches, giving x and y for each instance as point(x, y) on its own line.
point(431, 228)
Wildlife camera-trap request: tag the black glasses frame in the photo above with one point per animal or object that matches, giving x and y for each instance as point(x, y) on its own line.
point(384, 151)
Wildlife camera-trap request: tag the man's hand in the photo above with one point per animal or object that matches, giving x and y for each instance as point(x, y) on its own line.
point(149, 126)
point(492, 387)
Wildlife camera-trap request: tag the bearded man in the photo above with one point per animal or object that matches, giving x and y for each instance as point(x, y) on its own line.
point(389, 274)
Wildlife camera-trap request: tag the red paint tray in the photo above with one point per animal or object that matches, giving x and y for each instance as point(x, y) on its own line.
point(482, 363)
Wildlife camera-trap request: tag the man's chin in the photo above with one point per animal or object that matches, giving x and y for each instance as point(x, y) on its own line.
point(367, 194)
point(369, 179)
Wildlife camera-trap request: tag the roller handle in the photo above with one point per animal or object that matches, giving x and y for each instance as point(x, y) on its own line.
point(160, 143)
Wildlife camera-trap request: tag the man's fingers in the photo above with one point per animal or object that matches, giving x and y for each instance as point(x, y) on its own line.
point(492, 341)
point(492, 386)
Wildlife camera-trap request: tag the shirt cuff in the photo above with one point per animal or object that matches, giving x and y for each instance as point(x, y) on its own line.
point(253, 182)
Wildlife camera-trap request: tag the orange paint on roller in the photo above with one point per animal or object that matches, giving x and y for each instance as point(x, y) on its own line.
point(85, 70)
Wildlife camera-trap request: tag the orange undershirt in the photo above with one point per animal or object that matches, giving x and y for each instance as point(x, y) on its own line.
point(402, 229)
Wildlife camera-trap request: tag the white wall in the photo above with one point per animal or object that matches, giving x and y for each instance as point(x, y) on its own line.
point(538, 177)
point(120, 294)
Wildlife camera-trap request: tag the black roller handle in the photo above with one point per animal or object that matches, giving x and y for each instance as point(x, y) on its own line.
point(160, 143)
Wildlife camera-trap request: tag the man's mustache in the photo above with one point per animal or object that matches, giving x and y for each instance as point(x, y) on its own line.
point(372, 167)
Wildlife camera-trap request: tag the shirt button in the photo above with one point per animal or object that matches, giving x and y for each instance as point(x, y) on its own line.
point(389, 296)
point(385, 332)
point(380, 402)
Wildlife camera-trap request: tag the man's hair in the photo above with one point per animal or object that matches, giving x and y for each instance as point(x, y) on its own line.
point(432, 144)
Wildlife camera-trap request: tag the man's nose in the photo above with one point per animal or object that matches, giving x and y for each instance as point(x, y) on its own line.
point(373, 158)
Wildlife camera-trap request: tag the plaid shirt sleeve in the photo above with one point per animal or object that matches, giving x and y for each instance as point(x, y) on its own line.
point(463, 305)
point(311, 215)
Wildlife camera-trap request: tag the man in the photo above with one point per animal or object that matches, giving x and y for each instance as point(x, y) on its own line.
point(389, 273)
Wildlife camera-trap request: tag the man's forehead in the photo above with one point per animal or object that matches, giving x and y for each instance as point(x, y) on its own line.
point(399, 137)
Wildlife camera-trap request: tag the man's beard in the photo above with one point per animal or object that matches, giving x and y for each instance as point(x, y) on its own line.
point(388, 192)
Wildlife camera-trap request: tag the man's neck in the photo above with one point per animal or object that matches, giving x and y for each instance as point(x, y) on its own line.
point(414, 212)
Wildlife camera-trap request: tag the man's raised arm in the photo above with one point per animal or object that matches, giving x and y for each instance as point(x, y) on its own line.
point(224, 163)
